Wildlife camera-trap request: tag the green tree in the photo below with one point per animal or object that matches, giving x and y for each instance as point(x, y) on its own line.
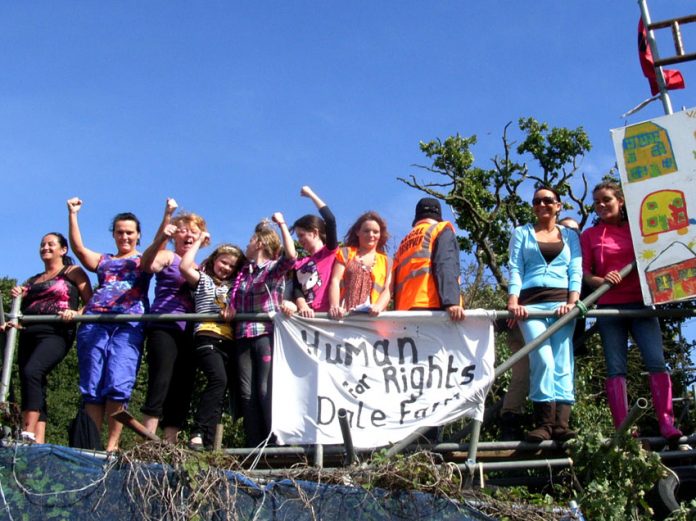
point(486, 201)
point(6, 284)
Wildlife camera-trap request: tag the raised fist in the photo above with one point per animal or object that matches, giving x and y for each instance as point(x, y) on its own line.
point(171, 205)
point(74, 204)
point(170, 230)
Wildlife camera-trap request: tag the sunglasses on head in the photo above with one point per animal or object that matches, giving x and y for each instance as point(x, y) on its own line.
point(548, 201)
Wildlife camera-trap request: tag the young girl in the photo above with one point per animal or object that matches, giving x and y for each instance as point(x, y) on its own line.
point(259, 288)
point(317, 235)
point(108, 353)
point(606, 248)
point(213, 341)
point(169, 345)
point(362, 272)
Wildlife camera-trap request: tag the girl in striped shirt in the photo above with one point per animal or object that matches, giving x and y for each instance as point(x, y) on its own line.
point(213, 341)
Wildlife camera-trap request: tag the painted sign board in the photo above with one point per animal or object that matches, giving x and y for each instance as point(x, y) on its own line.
point(657, 164)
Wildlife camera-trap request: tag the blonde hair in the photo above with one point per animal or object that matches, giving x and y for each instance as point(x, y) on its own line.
point(190, 218)
point(269, 239)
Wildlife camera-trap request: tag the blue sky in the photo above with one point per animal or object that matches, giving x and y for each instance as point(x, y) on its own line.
point(230, 107)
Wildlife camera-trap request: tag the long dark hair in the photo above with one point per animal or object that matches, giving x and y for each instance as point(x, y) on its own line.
point(618, 193)
point(310, 223)
point(538, 187)
point(67, 259)
point(351, 238)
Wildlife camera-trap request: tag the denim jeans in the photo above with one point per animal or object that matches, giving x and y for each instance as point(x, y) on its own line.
point(646, 333)
point(551, 364)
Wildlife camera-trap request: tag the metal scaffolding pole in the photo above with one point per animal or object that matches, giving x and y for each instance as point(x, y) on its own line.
point(9, 349)
point(664, 95)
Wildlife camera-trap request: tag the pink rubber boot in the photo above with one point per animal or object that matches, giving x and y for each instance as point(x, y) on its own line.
point(661, 388)
point(616, 396)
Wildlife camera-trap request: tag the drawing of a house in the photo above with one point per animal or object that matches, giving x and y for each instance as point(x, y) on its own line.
point(672, 274)
point(663, 211)
point(647, 152)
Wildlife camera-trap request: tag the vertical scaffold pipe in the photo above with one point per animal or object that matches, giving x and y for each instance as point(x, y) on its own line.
point(650, 37)
point(473, 452)
point(9, 349)
point(347, 438)
point(319, 456)
point(636, 412)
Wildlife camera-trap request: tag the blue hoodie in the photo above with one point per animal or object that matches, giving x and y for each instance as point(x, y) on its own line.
point(529, 269)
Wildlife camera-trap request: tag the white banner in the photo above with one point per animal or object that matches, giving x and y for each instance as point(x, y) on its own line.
point(392, 374)
point(657, 163)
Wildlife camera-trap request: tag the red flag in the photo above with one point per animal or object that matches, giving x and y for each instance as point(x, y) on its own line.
point(673, 78)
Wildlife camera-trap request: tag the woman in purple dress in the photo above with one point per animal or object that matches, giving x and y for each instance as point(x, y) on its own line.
point(108, 353)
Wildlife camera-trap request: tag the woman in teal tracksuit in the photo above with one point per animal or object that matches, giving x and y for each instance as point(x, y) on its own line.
point(546, 274)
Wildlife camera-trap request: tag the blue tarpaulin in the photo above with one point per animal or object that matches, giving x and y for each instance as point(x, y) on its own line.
point(53, 482)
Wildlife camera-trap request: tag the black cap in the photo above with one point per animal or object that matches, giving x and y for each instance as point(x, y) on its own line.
point(428, 208)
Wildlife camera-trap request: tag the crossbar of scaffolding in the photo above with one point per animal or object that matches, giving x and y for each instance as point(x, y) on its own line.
point(257, 317)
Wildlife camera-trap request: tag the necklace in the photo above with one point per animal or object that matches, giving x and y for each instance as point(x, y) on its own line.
point(365, 263)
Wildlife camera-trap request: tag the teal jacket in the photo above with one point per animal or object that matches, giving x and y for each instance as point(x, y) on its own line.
point(528, 269)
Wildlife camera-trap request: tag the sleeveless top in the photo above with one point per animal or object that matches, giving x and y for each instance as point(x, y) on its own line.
point(51, 296)
point(172, 294)
point(122, 287)
point(357, 282)
point(356, 274)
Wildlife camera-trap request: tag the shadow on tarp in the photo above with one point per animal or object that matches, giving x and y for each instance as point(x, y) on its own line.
point(55, 482)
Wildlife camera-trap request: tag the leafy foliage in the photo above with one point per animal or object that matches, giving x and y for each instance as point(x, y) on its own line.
point(625, 473)
point(486, 201)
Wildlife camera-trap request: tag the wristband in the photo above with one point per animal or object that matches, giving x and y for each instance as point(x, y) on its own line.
point(582, 307)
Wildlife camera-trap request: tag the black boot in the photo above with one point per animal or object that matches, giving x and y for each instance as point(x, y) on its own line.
point(544, 420)
point(510, 428)
point(560, 431)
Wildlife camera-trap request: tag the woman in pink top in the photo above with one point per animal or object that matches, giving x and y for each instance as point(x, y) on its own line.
point(606, 248)
point(311, 274)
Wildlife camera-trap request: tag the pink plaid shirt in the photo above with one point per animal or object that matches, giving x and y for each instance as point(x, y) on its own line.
point(259, 289)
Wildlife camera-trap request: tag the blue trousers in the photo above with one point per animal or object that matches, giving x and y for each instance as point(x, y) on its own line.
point(551, 365)
point(646, 333)
point(108, 357)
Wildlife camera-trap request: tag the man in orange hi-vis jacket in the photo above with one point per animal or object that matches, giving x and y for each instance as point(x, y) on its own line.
point(426, 265)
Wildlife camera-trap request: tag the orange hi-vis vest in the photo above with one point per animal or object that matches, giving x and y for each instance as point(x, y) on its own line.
point(414, 284)
point(383, 265)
